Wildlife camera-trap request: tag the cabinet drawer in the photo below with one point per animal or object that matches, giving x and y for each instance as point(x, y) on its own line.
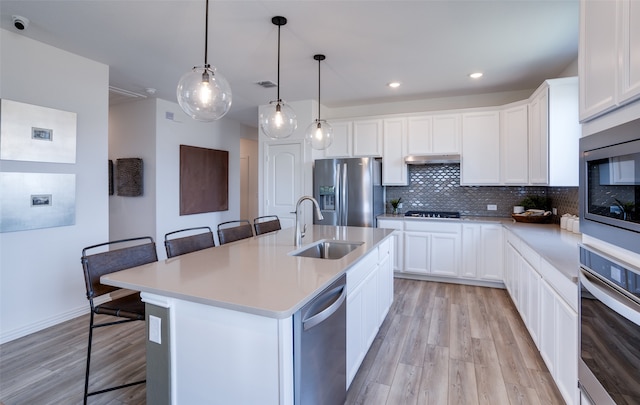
point(433, 226)
point(530, 256)
point(565, 288)
point(359, 271)
point(383, 249)
point(391, 224)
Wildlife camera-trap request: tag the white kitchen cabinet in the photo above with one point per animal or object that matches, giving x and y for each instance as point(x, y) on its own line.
point(514, 142)
point(397, 240)
point(369, 294)
point(559, 342)
point(482, 251)
point(554, 133)
point(434, 134)
point(433, 248)
point(341, 145)
point(609, 55)
point(367, 137)
point(394, 150)
point(480, 155)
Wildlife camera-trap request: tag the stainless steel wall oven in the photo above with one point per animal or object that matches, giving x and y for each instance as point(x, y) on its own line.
point(609, 366)
point(610, 185)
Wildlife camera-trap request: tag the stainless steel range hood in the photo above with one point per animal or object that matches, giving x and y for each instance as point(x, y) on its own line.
point(431, 159)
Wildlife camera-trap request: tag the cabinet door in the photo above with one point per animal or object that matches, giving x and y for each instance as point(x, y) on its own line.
point(480, 156)
point(533, 301)
point(490, 253)
point(355, 332)
point(398, 241)
point(394, 170)
point(385, 287)
point(341, 145)
point(539, 138)
point(471, 256)
point(598, 57)
point(630, 67)
point(446, 133)
point(367, 138)
point(514, 140)
point(416, 247)
point(444, 252)
point(371, 313)
point(566, 344)
point(419, 135)
point(547, 345)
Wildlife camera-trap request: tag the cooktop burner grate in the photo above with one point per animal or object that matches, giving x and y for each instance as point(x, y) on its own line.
point(433, 214)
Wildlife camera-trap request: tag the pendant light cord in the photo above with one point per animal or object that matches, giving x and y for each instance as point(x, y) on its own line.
point(206, 35)
point(319, 60)
point(278, 90)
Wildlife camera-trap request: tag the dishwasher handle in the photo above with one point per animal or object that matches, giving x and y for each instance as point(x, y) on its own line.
point(310, 321)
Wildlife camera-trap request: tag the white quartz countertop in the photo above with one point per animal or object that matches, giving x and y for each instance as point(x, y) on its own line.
point(256, 275)
point(557, 246)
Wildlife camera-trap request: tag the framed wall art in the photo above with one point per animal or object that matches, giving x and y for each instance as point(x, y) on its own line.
point(36, 134)
point(36, 200)
point(204, 180)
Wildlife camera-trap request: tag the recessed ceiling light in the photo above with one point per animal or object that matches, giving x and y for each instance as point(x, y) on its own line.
point(393, 85)
point(475, 75)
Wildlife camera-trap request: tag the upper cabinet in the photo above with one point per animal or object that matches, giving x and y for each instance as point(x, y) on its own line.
point(554, 133)
point(341, 145)
point(609, 59)
point(367, 138)
point(480, 155)
point(394, 149)
point(514, 139)
point(434, 134)
point(355, 138)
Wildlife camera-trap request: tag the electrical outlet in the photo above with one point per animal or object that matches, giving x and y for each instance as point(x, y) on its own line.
point(399, 205)
point(554, 211)
point(155, 328)
point(492, 207)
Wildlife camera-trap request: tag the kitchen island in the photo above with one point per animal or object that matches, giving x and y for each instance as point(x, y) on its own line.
point(220, 320)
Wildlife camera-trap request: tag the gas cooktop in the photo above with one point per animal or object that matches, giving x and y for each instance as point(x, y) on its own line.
point(432, 214)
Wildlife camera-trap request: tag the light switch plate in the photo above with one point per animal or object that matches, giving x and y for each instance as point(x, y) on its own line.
point(155, 329)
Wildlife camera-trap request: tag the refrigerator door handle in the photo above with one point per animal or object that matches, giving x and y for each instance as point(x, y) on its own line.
point(338, 195)
point(345, 189)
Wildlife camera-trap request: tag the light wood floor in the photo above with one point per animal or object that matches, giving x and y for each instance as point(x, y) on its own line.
point(440, 344)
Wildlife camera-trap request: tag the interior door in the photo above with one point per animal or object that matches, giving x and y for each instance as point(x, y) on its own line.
point(283, 180)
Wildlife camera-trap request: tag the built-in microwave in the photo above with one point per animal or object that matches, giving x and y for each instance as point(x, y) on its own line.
point(610, 185)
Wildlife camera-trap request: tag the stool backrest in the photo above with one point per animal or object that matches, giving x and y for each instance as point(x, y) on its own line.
point(232, 231)
point(267, 223)
point(106, 262)
point(177, 246)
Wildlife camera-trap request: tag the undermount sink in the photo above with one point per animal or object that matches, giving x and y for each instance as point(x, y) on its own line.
point(328, 249)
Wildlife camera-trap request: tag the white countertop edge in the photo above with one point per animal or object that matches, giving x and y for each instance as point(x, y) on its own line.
point(119, 281)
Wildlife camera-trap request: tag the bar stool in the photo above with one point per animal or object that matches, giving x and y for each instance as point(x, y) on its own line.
point(266, 223)
point(179, 245)
point(232, 231)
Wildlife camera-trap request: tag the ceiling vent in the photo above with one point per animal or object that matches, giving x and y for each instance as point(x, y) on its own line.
point(267, 84)
point(117, 95)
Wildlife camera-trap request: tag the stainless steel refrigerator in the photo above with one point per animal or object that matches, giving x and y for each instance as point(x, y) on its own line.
point(349, 191)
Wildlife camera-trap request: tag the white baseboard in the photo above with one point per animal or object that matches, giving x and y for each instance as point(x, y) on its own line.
point(8, 336)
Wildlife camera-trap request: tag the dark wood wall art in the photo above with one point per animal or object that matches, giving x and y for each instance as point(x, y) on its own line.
point(204, 180)
point(129, 177)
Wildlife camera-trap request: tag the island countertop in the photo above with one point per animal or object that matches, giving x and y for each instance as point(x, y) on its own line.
point(256, 275)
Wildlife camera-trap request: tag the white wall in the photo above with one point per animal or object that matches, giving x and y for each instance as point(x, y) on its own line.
point(41, 279)
point(132, 134)
point(182, 130)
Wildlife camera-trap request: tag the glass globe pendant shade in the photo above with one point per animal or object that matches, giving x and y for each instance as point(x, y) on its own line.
point(203, 94)
point(278, 121)
point(319, 134)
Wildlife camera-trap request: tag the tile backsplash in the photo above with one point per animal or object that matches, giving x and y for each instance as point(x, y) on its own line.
point(437, 188)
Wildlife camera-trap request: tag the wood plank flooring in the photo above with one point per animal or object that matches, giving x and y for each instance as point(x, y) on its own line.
point(440, 344)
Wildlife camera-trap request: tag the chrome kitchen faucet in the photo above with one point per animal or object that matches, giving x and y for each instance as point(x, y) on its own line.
point(300, 233)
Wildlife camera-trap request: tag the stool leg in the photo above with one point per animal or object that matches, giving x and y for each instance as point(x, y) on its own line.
point(86, 376)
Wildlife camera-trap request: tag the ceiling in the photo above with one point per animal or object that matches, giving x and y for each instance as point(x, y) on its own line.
point(429, 46)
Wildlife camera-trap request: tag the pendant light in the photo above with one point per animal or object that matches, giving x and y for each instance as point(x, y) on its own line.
point(204, 94)
point(278, 120)
point(319, 133)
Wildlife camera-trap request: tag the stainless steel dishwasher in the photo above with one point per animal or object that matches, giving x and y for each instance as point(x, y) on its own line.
point(320, 348)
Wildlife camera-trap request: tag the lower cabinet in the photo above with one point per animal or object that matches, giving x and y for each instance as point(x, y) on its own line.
point(482, 251)
point(552, 323)
point(432, 248)
point(369, 297)
point(398, 241)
